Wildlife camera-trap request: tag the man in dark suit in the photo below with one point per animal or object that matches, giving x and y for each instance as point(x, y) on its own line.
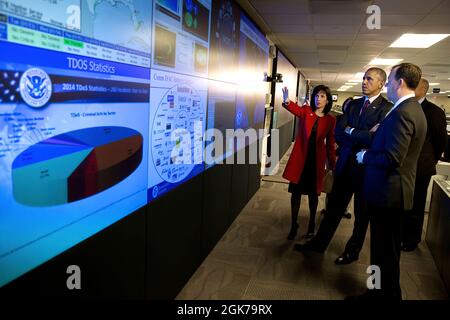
point(389, 175)
point(432, 150)
point(352, 133)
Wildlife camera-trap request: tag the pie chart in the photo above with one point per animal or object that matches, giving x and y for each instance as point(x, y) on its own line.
point(75, 165)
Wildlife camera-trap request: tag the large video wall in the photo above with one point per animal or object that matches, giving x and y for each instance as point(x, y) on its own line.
point(104, 107)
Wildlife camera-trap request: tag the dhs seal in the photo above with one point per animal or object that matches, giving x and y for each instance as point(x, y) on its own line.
point(155, 191)
point(35, 87)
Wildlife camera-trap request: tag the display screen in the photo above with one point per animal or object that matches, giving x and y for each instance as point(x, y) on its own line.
point(178, 95)
point(253, 62)
point(289, 73)
point(224, 54)
point(75, 86)
point(104, 107)
point(177, 125)
point(236, 94)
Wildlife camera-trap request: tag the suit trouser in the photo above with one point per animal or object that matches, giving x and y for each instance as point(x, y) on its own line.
point(344, 186)
point(413, 220)
point(385, 238)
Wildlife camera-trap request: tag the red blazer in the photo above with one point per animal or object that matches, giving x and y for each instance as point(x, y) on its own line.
point(325, 147)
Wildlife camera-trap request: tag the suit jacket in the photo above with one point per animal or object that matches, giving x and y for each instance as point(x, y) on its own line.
point(360, 138)
point(435, 140)
point(391, 162)
point(324, 144)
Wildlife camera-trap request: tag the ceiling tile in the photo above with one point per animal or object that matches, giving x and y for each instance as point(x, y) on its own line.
point(334, 42)
point(444, 6)
point(385, 33)
point(406, 6)
point(306, 60)
point(332, 36)
point(332, 55)
point(300, 45)
point(293, 35)
point(287, 18)
point(400, 20)
point(333, 29)
point(338, 7)
point(336, 36)
point(281, 7)
point(338, 19)
point(435, 19)
point(297, 29)
point(419, 28)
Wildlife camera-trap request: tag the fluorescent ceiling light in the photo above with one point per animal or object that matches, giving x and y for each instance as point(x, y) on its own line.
point(384, 62)
point(351, 84)
point(344, 88)
point(434, 84)
point(414, 40)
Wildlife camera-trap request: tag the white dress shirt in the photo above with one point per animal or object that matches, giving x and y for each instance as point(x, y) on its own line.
point(421, 100)
point(411, 95)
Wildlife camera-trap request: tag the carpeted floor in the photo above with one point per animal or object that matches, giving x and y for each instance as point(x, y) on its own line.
point(254, 260)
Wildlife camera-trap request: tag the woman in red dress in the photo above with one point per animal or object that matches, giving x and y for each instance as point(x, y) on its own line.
point(313, 145)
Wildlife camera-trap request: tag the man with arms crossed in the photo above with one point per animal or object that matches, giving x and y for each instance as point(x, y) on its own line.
point(354, 132)
point(389, 175)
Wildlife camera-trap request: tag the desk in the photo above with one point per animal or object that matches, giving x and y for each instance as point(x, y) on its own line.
point(438, 229)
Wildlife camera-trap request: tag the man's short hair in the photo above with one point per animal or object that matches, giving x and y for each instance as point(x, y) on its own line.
point(409, 72)
point(381, 73)
point(426, 84)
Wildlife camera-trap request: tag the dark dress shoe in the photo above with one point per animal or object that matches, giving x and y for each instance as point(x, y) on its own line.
point(346, 258)
point(347, 215)
point(308, 246)
point(408, 247)
point(309, 235)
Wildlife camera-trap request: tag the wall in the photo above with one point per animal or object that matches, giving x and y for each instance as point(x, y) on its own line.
point(151, 253)
point(438, 99)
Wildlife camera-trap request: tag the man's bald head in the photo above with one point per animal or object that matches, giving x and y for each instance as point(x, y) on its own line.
point(422, 88)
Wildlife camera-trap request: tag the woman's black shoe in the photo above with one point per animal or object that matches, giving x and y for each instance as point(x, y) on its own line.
point(293, 233)
point(346, 258)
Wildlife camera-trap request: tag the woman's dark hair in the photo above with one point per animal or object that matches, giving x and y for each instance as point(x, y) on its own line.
point(327, 91)
point(346, 102)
